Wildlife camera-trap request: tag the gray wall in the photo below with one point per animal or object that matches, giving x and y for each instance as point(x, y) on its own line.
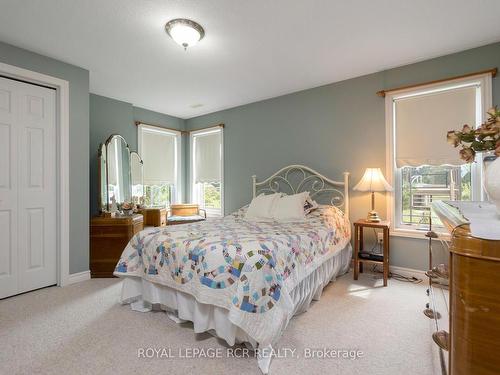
point(78, 79)
point(331, 128)
point(109, 116)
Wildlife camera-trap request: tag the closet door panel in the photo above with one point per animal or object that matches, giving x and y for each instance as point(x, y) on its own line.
point(37, 188)
point(8, 189)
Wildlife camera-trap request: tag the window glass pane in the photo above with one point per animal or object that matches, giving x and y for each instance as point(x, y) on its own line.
point(160, 152)
point(211, 195)
point(157, 195)
point(420, 186)
point(206, 170)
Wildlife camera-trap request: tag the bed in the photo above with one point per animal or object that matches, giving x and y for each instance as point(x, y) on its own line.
point(241, 279)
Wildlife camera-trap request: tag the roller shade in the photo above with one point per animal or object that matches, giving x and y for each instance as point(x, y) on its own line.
point(158, 156)
point(421, 124)
point(208, 158)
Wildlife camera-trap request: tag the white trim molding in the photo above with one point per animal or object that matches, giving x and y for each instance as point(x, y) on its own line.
point(78, 277)
point(179, 185)
point(408, 272)
point(192, 185)
point(62, 115)
point(484, 81)
point(403, 271)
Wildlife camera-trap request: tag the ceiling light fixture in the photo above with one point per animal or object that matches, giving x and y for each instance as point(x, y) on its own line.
point(184, 32)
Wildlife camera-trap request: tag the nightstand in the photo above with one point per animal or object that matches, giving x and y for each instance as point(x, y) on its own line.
point(154, 216)
point(358, 247)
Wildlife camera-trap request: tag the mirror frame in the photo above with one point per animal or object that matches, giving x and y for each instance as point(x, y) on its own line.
point(106, 144)
point(100, 170)
point(142, 171)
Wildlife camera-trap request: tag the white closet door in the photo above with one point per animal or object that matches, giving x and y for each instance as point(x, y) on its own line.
point(33, 228)
point(8, 188)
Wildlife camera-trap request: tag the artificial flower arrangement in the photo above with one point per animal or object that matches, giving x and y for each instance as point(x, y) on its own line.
point(126, 207)
point(484, 138)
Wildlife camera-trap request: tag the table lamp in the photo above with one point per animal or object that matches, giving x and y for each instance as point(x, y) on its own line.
point(373, 180)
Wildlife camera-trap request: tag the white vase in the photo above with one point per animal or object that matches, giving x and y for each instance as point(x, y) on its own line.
point(492, 180)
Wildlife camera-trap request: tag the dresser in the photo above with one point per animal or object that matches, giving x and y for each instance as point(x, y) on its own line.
point(108, 238)
point(470, 336)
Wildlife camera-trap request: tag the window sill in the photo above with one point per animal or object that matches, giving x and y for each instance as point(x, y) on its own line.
point(418, 234)
point(213, 213)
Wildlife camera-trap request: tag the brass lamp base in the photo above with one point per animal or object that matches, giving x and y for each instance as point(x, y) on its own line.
point(373, 217)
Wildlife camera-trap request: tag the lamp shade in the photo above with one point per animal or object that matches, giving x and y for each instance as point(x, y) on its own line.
point(373, 180)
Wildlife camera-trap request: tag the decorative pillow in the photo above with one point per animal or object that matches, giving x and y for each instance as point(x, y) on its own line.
point(261, 206)
point(290, 207)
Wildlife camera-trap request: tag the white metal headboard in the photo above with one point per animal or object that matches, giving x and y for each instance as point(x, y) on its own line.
point(297, 178)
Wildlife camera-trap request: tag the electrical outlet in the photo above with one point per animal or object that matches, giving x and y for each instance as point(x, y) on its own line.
point(380, 238)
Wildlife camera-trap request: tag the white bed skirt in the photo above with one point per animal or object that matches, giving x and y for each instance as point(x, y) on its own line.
point(145, 296)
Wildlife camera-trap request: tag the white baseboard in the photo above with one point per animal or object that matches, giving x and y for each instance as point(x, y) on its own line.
point(78, 277)
point(408, 272)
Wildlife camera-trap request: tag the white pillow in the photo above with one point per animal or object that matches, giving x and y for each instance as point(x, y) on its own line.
point(290, 207)
point(261, 206)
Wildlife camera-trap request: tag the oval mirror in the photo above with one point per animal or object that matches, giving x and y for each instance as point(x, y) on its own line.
point(118, 172)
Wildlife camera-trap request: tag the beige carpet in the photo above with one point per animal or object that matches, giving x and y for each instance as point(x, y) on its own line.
point(82, 329)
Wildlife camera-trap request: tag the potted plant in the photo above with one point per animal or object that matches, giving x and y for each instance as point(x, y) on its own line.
point(483, 139)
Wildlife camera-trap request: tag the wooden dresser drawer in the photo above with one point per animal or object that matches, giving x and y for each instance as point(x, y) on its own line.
point(109, 230)
point(474, 298)
point(108, 239)
point(475, 326)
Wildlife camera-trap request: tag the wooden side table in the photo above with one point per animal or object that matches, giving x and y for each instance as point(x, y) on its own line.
point(358, 247)
point(154, 217)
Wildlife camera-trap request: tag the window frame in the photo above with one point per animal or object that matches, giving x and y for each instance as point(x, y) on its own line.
point(393, 174)
point(210, 211)
point(177, 195)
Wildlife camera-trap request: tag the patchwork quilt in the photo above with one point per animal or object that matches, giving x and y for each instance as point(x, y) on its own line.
point(247, 267)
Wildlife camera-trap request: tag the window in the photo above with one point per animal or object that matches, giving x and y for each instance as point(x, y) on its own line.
point(420, 186)
point(421, 165)
point(161, 153)
point(207, 170)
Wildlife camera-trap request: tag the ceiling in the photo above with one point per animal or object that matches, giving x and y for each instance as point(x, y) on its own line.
point(252, 50)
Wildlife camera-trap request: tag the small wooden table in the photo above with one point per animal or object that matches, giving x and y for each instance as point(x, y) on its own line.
point(154, 216)
point(358, 246)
